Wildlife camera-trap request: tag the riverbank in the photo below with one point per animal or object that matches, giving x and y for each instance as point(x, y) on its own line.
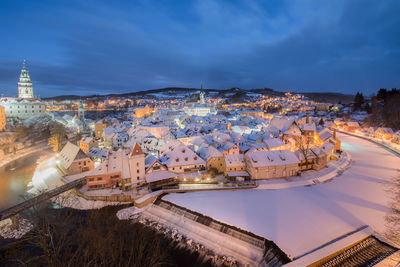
point(395, 148)
point(24, 152)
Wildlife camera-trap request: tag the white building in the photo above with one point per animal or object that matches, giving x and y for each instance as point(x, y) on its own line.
point(137, 164)
point(25, 106)
point(25, 89)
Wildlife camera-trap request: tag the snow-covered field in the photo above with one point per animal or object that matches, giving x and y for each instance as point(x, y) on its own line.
point(301, 219)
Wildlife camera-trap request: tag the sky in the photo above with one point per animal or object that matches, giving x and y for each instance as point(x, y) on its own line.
point(88, 47)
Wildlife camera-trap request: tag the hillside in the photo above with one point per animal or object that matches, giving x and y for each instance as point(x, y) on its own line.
point(234, 94)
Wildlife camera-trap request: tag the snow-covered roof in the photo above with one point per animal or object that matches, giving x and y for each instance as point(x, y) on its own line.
point(353, 124)
point(207, 152)
point(180, 155)
point(325, 134)
point(159, 175)
point(238, 174)
point(274, 142)
point(309, 127)
point(69, 153)
point(86, 140)
point(271, 158)
point(385, 130)
point(97, 152)
point(281, 123)
point(234, 160)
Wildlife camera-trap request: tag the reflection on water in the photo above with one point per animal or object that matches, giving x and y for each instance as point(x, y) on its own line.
point(15, 176)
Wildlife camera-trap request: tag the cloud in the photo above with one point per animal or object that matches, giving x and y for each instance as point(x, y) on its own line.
point(86, 47)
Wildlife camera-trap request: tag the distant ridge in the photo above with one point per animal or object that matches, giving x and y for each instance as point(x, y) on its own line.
point(238, 92)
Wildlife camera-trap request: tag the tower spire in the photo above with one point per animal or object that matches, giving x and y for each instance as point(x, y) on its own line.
point(25, 89)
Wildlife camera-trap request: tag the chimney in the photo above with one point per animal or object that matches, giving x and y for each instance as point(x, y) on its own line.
point(308, 118)
point(334, 133)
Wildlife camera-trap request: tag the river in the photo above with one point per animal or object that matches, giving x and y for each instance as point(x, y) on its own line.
point(15, 176)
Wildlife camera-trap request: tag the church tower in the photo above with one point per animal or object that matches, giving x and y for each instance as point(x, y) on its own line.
point(25, 89)
point(202, 95)
point(81, 111)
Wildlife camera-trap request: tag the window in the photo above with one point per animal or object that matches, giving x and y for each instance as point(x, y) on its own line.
point(137, 170)
point(99, 178)
point(138, 177)
point(137, 164)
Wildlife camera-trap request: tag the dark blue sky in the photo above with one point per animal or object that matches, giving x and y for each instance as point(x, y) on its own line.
point(92, 46)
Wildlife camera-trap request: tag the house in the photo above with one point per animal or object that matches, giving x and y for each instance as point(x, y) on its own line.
point(213, 157)
point(119, 139)
point(235, 166)
point(98, 154)
point(157, 174)
point(86, 143)
point(396, 138)
point(143, 112)
point(371, 131)
point(326, 135)
point(351, 126)
point(287, 127)
point(72, 160)
point(315, 158)
point(180, 159)
point(275, 144)
point(109, 173)
point(271, 164)
point(99, 127)
point(123, 169)
point(384, 133)
point(230, 149)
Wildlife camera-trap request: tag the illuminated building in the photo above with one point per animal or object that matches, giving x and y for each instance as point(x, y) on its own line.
point(25, 106)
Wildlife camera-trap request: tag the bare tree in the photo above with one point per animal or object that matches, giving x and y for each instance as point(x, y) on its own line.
point(67, 237)
point(57, 137)
point(304, 145)
point(393, 219)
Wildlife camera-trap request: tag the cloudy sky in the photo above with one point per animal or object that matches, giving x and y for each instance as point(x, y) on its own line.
point(96, 47)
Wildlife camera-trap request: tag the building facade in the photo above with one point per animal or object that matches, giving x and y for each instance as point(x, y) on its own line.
point(2, 118)
point(25, 106)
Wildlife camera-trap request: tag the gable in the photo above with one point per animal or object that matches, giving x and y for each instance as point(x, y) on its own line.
point(136, 150)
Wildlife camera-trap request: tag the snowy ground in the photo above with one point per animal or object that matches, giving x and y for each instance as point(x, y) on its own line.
point(301, 219)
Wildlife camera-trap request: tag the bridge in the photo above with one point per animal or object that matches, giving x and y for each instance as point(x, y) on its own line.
point(9, 212)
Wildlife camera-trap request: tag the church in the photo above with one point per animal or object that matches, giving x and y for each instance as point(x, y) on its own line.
point(201, 108)
point(25, 105)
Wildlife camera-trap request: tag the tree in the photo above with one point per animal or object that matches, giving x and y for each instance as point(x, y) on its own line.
point(67, 237)
point(358, 101)
point(58, 137)
point(393, 218)
point(382, 94)
point(304, 145)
